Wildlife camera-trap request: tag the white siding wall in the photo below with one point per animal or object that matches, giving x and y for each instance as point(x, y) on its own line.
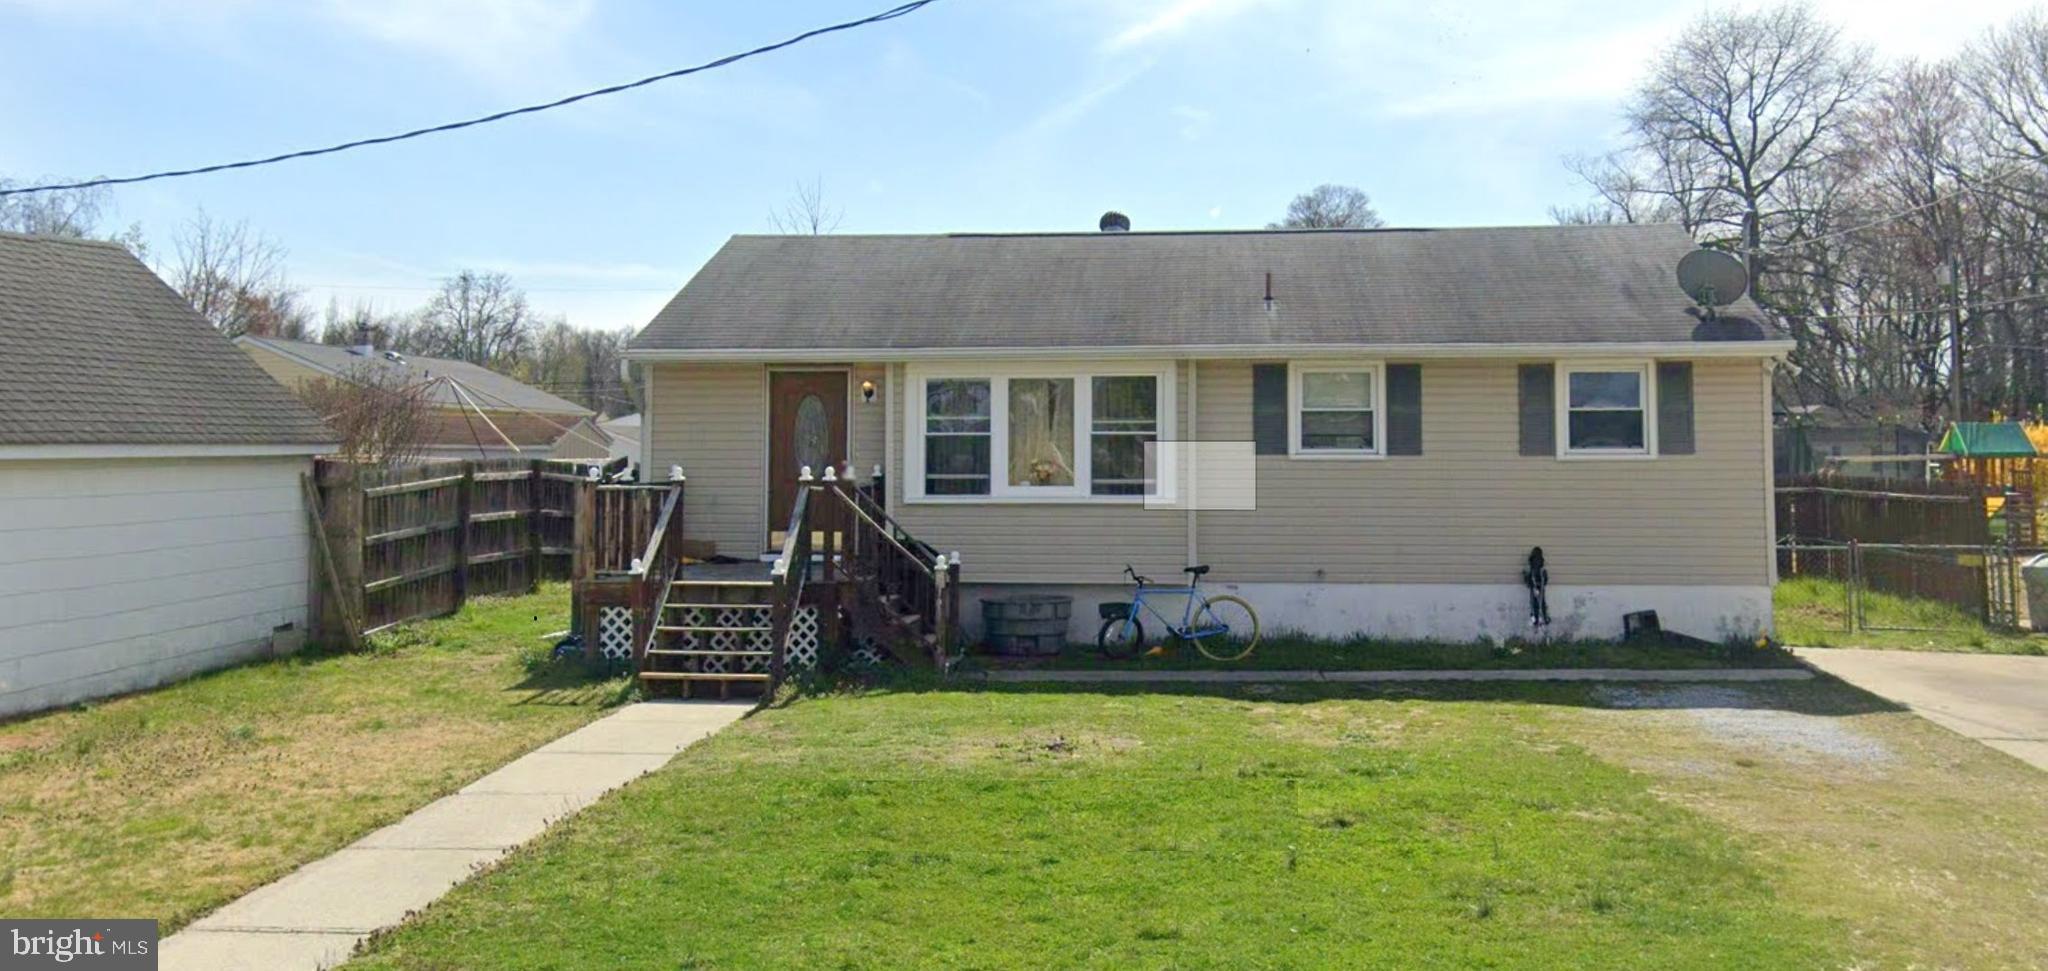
point(117, 575)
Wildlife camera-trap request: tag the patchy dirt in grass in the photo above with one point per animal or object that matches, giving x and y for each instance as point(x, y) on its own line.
point(1738, 717)
point(1925, 845)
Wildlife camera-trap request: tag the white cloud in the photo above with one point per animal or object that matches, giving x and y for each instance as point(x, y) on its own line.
point(1215, 212)
point(1195, 121)
point(1173, 18)
point(507, 41)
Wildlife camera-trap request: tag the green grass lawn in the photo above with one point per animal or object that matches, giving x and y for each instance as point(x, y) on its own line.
point(169, 803)
point(1813, 612)
point(1284, 652)
point(1482, 826)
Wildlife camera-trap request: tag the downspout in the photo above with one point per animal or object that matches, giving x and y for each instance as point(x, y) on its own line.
point(1189, 443)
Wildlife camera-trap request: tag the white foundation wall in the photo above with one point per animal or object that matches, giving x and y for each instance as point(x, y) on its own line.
point(1450, 612)
point(118, 575)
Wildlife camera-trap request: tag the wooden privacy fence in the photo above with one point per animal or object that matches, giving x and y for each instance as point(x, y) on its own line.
point(418, 540)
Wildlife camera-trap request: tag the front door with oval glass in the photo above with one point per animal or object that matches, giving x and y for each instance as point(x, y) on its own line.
point(806, 426)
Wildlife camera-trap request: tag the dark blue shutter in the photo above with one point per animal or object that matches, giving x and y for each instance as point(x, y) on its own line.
point(1404, 409)
point(1538, 408)
point(1674, 408)
point(1269, 409)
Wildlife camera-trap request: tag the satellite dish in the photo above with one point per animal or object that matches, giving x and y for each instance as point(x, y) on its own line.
point(1712, 278)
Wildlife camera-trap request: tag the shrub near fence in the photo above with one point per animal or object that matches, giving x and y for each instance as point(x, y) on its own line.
point(418, 540)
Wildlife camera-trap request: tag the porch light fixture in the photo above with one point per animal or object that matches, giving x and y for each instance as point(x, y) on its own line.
point(867, 392)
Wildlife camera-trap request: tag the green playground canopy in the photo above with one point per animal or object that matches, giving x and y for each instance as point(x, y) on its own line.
point(1986, 440)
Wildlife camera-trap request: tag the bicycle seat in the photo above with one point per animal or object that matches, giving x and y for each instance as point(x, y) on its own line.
point(1197, 571)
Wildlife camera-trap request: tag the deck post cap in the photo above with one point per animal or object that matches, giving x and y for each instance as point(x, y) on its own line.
point(804, 475)
point(831, 474)
point(675, 473)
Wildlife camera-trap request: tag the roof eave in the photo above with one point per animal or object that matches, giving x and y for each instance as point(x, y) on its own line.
point(1667, 349)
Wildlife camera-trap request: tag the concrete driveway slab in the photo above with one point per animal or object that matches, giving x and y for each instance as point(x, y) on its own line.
point(1998, 699)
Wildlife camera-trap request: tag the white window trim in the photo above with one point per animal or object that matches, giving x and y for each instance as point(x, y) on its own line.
point(1297, 369)
point(1562, 405)
point(998, 375)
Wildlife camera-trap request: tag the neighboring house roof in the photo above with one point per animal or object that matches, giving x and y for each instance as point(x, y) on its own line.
point(627, 425)
point(492, 390)
point(96, 350)
point(1612, 284)
point(1986, 440)
point(458, 428)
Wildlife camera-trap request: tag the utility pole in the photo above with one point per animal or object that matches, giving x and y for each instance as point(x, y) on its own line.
point(1947, 275)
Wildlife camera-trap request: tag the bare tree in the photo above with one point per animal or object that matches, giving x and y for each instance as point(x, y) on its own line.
point(234, 276)
point(383, 414)
point(806, 213)
point(75, 213)
point(582, 365)
point(480, 318)
point(1330, 206)
point(1760, 97)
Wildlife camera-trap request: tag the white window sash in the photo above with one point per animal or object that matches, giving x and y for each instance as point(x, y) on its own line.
point(1297, 373)
point(1646, 377)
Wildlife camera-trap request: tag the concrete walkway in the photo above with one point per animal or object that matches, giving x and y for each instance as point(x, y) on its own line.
point(315, 916)
point(1998, 699)
point(1354, 677)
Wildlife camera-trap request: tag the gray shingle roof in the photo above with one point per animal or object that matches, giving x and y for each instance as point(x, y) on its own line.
point(492, 390)
point(1544, 284)
point(95, 350)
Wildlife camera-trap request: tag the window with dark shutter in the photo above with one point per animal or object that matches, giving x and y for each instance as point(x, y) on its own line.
point(1537, 398)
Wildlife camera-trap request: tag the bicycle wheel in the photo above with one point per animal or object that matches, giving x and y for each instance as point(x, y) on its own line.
point(1239, 633)
point(1120, 638)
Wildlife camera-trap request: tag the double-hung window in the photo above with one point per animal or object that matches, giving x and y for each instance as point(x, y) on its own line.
point(957, 435)
point(1336, 410)
point(1605, 410)
point(1050, 433)
point(1124, 419)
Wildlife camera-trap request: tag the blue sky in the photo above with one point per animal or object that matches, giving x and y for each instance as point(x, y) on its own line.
point(971, 115)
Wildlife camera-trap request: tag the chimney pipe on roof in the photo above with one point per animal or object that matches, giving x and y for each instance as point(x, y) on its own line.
point(1114, 222)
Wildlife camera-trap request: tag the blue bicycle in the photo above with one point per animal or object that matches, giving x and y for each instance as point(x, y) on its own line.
point(1223, 628)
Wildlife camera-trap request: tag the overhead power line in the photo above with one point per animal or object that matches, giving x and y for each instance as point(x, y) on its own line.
point(890, 14)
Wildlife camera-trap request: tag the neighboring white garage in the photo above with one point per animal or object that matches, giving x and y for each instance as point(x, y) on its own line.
point(152, 523)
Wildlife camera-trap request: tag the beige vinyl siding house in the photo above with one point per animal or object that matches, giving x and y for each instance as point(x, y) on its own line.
point(1421, 537)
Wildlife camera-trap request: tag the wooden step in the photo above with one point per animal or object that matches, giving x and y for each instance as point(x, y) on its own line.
point(703, 676)
point(667, 652)
point(743, 605)
point(700, 582)
point(688, 629)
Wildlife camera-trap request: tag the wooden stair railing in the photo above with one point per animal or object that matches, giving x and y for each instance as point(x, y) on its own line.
point(913, 586)
point(788, 577)
point(654, 570)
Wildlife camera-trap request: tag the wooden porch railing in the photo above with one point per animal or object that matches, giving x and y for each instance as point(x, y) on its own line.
point(624, 518)
point(628, 543)
point(911, 575)
point(654, 570)
point(792, 570)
